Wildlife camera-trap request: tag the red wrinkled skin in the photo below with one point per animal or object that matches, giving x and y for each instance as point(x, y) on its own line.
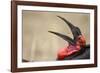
point(67, 51)
point(70, 49)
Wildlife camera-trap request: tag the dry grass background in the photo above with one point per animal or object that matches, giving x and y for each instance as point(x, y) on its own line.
point(38, 43)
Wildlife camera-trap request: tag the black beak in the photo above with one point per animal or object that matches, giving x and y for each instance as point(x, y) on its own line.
point(75, 30)
point(66, 38)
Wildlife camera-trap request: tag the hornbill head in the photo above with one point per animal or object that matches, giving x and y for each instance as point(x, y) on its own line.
point(78, 37)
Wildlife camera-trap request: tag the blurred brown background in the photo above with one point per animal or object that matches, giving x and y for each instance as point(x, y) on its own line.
point(38, 43)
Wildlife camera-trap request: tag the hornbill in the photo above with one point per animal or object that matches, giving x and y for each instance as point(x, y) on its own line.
point(77, 47)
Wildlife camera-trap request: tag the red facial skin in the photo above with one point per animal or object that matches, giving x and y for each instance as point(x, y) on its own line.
point(70, 49)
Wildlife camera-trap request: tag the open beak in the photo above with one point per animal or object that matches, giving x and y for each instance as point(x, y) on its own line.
point(75, 31)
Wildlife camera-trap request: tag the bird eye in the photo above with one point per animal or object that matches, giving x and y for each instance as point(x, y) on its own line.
point(79, 38)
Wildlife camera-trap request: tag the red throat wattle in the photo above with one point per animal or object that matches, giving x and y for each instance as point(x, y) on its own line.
point(70, 49)
point(67, 51)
